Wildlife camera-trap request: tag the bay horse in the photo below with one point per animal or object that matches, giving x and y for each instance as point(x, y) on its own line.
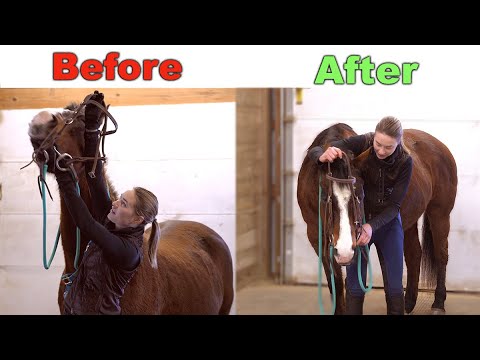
point(195, 271)
point(431, 192)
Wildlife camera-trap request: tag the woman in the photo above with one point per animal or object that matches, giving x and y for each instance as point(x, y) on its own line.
point(115, 232)
point(386, 174)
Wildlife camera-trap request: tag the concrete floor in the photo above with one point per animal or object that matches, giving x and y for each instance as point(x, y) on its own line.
point(267, 298)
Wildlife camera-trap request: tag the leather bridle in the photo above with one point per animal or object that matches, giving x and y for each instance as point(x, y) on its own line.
point(67, 160)
point(357, 213)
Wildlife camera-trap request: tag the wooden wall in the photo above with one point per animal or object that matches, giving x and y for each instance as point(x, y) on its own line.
point(253, 185)
point(11, 99)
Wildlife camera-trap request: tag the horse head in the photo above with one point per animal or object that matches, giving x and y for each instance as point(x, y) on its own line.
point(341, 206)
point(59, 134)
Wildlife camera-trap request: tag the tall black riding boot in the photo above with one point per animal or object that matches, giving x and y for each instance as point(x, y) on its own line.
point(395, 304)
point(354, 304)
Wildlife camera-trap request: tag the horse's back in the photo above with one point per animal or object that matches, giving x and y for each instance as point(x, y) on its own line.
point(193, 233)
point(434, 177)
point(432, 154)
point(195, 271)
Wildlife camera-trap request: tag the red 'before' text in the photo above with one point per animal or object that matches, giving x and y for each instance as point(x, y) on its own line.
point(65, 68)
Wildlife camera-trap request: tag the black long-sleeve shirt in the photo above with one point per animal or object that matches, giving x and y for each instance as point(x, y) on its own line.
point(118, 250)
point(385, 181)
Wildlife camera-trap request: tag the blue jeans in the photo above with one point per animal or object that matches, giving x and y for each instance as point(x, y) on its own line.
point(388, 241)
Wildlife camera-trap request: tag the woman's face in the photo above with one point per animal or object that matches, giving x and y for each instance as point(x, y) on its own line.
point(123, 213)
point(384, 145)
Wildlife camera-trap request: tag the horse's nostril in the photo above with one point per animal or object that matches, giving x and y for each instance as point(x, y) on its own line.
point(335, 252)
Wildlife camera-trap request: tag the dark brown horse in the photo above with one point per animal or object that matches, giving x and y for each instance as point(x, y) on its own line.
point(432, 192)
point(195, 271)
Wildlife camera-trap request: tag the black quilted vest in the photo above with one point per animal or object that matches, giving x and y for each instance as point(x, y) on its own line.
point(98, 286)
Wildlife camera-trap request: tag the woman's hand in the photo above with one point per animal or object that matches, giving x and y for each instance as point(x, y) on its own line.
point(93, 114)
point(330, 154)
point(365, 235)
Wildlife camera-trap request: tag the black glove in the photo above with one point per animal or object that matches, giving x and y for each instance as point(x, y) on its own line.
point(46, 157)
point(93, 114)
point(52, 158)
point(64, 176)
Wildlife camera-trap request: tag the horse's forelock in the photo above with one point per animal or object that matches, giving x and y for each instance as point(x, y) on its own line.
point(339, 169)
point(72, 106)
point(111, 188)
point(333, 133)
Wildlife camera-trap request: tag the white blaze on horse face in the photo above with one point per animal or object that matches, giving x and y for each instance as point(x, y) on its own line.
point(37, 128)
point(344, 253)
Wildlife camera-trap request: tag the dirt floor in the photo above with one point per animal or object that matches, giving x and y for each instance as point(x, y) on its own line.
point(268, 298)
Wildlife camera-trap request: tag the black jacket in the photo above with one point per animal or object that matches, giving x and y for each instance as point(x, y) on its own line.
point(385, 181)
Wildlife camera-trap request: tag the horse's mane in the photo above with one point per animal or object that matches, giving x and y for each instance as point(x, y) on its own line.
point(111, 189)
point(332, 133)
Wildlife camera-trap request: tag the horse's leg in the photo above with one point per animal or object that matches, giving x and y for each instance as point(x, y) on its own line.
point(440, 227)
point(413, 256)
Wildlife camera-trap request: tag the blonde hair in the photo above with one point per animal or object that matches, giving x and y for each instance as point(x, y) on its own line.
point(392, 127)
point(146, 205)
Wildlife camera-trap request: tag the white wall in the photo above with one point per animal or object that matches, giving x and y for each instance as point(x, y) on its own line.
point(448, 112)
point(184, 153)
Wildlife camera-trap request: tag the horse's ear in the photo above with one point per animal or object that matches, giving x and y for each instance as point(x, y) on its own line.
point(72, 106)
point(54, 119)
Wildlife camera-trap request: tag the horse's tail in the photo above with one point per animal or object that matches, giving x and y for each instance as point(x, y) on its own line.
point(428, 264)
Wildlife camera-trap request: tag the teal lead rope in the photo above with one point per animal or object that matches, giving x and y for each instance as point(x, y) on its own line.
point(332, 276)
point(359, 268)
point(46, 264)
